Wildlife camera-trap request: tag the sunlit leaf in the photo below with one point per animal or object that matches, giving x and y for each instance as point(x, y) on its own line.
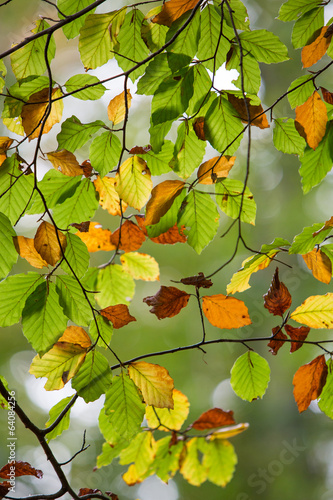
point(118, 315)
point(34, 111)
point(141, 266)
point(91, 89)
point(169, 418)
point(128, 238)
point(26, 249)
point(216, 167)
point(320, 265)
point(94, 377)
point(167, 302)
point(311, 119)
point(96, 238)
point(250, 376)
point(115, 286)
point(315, 312)
point(162, 197)
point(309, 381)
point(50, 243)
point(154, 382)
point(73, 301)
point(223, 311)
point(118, 107)
point(8, 251)
point(314, 51)
point(172, 10)
point(133, 182)
point(65, 162)
point(54, 413)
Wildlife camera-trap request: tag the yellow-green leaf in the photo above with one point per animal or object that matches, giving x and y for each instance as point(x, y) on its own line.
point(133, 182)
point(154, 382)
point(166, 418)
point(141, 266)
point(316, 311)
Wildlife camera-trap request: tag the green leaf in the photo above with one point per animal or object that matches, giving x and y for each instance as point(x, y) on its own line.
point(109, 452)
point(222, 126)
point(14, 292)
point(229, 199)
point(189, 151)
point(30, 59)
point(293, 9)
point(70, 7)
point(184, 48)
point(219, 459)
point(3, 71)
point(106, 428)
point(326, 397)
point(154, 35)
point(158, 133)
point(94, 377)
point(8, 253)
point(167, 460)
point(251, 71)
point(73, 301)
point(191, 468)
point(156, 72)
point(303, 91)
point(105, 152)
point(201, 216)
point(264, 46)
point(95, 43)
point(169, 219)
point(43, 320)
point(250, 376)
point(75, 134)
point(305, 27)
point(286, 138)
point(158, 163)
point(201, 88)
point(239, 14)
point(105, 329)
point(141, 452)
point(28, 86)
point(124, 406)
point(54, 414)
point(77, 256)
point(305, 242)
point(89, 94)
point(116, 286)
point(131, 44)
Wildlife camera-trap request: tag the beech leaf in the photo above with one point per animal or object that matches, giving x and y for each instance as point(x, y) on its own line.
point(239, 105)
point(320, 265)
point(167, 302)
point(118, 315)
point(162, 197)
point(223, 311)
point(314, 51)
point(20, 469)
point(26, 249)
point(97, 238)
point(108, 196)
point(316, 311)
point(154, 382)
point(131, 237)
point(309, 381)
point(33, 112)
point(298, 335)
point(167, 418)
point(311, 119)
point(277, 299)
point(133, 182)
point(172, 10)
point(65, 162)
point(216, 417)
point(213, 169)
point(46, 242)
point(277, 341)
point(117, 107)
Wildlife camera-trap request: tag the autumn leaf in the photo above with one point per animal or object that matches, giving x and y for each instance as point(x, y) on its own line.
point(171, 236)
point(20, 469)
point(277, 341)
point(166, 418)
point(108, 196)
point(320, 265)
point(139, 150)
point(33, 112)
point(26, 249)
point(239, 105)
point(118, 315)
point(316, 311)
point(172, 10)
point(167, 302)
point(47, 241)
point(76, 335)
point(216, 417)
point(199, 281)
point(131, 237)
point(229, 432)
point(327, 96)
point(277, 299)
point(82, 227)
point(5, 143)
point(223, 311)
point(298, 335)
point(215, 168)
point(117, 107)
point(141, 266)
point(65, 162)
point(154, 382)
point(97, 238)
point(316, 50)
point(311, 119)
point(328, 223)
point(199, 128)
point(309, 381)
point(133, 182)
point(162, 197)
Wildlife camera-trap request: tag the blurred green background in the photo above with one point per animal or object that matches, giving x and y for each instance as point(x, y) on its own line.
point(282, 454)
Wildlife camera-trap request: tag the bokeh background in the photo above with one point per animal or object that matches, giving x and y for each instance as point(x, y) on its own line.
point(282, 454)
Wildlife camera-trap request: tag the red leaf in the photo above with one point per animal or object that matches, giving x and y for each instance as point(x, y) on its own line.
point(213, 418)
point(167, 302)
point(21, 469)
point(277, 299)
point(131, 237)
point(309, 381)
point(297, 334)
point(277, 342)
point(119, 315)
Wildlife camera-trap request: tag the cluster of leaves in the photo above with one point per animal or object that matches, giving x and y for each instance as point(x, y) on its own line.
point(69, 311)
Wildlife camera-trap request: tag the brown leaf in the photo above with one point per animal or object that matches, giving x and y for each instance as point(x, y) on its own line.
point(213, 418)
point(108, 196)
point(131, 237)
point(5, 143)
point(138, 150)
point(215, 168)
point(327, 96)
point(311, 119)
point(20, 469)
point(314, 51)
point(171, 236)
point(47, 244)
point(172, 10)
point(119, 315)
point(4, 488)
point(65, 162)
point(117, 108)
point(309, 381)
point(199, 281)
point(224, 311)
point(96, 238)
point(277, 299)
point(76, 335)
point(162, 197)
point(26, 249)
point(86, 491)
point(199, 128)
point(83, 227)
point(298, 335)
point(87, 168)
point(277, 342)
point(239, 105)
point(33, 112)
point(167, 302)
point(320, 265)
point(328, 223)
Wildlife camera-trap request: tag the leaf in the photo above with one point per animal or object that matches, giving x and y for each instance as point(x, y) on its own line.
point(327, 96)
point(118, 107)
point(168, 220)
point(168, 457)
point(293, 9)
point(312, 117)
point(69, 7)
point(96, 238)
point(277, 299)
point(133, 182)
point(73, 301)
point(253, 110)
point(50, 243)
point(26, 249)
point(162, 197)
point(264, 46)
point(251, 71)
point(171, 99)
point(118, 315)
point(77, 256)
point(286, 138)
point(33, 112)
point(320, 265)
point(90, 92)
point(76, 335)
point(231, 199)
point(171, 236)
point(8, 251)
point(169, 418)
point(326, 400)
point(93, 378)
point(199, 281)
point(306, 26)
point(20, 469)
point(191, 468)
point(131, 237)
point(95, 42)
point(141, 266)
point(104, 333)
point(216, 417)
point(65, 162)
point(229, 432)
point(184, 47)
point(108, 196)
point(116, 286)
point(225, 312)
point(141, 451)
point(316, 311)
point(105, 152)
point(158, 163)
point(298, 335)
point(316, 50)
point(308, 238)
point(74, 134)
point(154, 382)
point(172, 10)
point(327, 224)
point(250, 376)
point(309, 381)
point(167, 302)
point(188, 152)
point(219, 460)
point(156, 72)
point(277, 341)
point(304, 88)
point(54, 413)
point(215, 168)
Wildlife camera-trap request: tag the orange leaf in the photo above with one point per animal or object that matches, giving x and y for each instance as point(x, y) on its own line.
point(47, 244)
point(298, 335)
point(119, 315)
point(131, 237)
point(199, 281)
point(26, 249)
point(309, 381)
point(328, 223)
point(117, 107)
point(214, 418)
point(162, 197)
point(20, 469)
point(311, 119)
point(108, 196)
point(277, 341)
point(97, 238)
point(320, 265)
point(171, 236)
point(223, 311)
point(167, 302)
point(87, 168)
point(239, 105)
point(65, 162)
point(199, 128)
point(76, 335)
point(277, 299)
point(172, 10)
point(5, 143)
point(316, 50)
point(327, 96)
point(33, 112)
point(213, 169)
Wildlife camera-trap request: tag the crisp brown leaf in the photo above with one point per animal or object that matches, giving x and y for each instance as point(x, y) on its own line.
point(33, 112)
point(298, 335)
point(199, 281)
point(328, 223)
point(224, 311)
point(171, 236)
point(216, 417)
point(87, 168)
point(76, 335)
point(86, 491)
point(47, 244)
point(309, 381)
point(108, 196)
point(117, 107)
point(65, 162)
point(239, 105)
point(277, 299)
point(199, 128)
point(311, 119)
point(96, 238)
point(131, 237)
point(320, 265)
point(316, 50)
point(277, 342)
point(327, 96)
point(167, 302)
point(83, 227)
point(139, 150)
point(162, 197)
point(215, 168)
point(21, 469)
point(26, 249)
point(172, 10)
point(118, 315)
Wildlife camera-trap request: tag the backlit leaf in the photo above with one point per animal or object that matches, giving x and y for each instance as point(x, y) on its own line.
point(108, 196)
point(34, 111)
point(90, 91)
point(141, 266)
point(216, 167)
point(308, 238)
point(316, 311)
point(97, 238)
point(314, 51)
point(306, 26)
point(104, 152)
point(167, 302)
point(219, 460)
point(73, 301)
point(77, 256)
point(95, 42)
point(191, 467)
point(169, 418)
point(312, 118)
point(117, 107)
point(8, 250)
point(65, 162)
point(320, 265)
point(264, 46)
point(131, 237)
point(162, 197)
point(328, 224)
point(251, 71)
point(133, 182)
point(76, 335)
point(74, 134)
point(277, 299)
point(154, 382)
point(172, 10)
point(253, 110)
point(115, 286)
point(50, 243)
point(104, 333)
point(168, 458)
point(303, 90)
point(118, 315)
point(216, 417)
point(94, 377)
point(326, 397)
point(54, 414)
point(309, 381)
point(293, 9)
point(250, 376)
point(223, 311)
point(286, 138)
point(231, 199)
point(141, 452)
point(26, 249)
point(189, 151)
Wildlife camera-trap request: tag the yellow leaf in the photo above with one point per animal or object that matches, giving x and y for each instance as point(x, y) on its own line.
point(319, 264)
point(314, 51)
point(65, 162)
point(96, 238)
point(311, 119)
point(316, 311)
point(162, 197)
point(141, 266)
point(225, 312)
point(213, 169)
point(133, 182)
point(166, 418)
point(117, 107)
point(228, 432)
point(108, 196)
point(131, 476)
point(26, 249)
point(154, 382)
point(33, 112)
point(191, 468)
point(47, 244)
point(76, 335)
point(172, 10)
point(240, 280)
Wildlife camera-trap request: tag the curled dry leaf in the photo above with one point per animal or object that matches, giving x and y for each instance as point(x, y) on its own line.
point(117, 107)
point(167, 302)
point(215, 168)
point(87, 168)
point(131, 237)
point(118, 315)
point(20, 469)
point(317, 49)
point(83, 227)
point(327, 96)
point(320, 265)
point(223, 311)
point(139, 150)
point(47, 241)
point(162, 197)
point(239, 105)
point(86, 491)
point(309, 381)
point(216, 417)
point(277, 341)
point(26, 249)
point(199, 281)
point(298, 335)
point(199, 128)
point(96, 238)
point(277, 299)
